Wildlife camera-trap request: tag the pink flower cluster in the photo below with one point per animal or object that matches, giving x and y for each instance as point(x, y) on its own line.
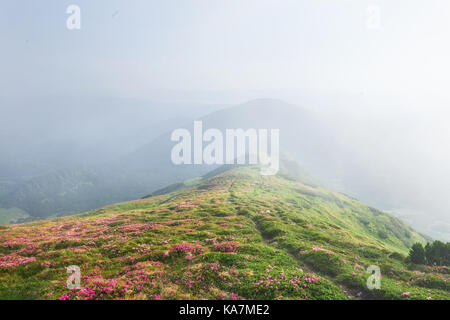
point(189, 249)
point(13, 260)
point(311, 278)
point(227, 246)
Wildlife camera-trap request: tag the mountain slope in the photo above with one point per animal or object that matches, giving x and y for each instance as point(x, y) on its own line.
point(304, 135)
point(129, 177)
point(75, 152)
point(233, 235)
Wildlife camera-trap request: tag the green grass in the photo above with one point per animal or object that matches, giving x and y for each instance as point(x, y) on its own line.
point(235, 235)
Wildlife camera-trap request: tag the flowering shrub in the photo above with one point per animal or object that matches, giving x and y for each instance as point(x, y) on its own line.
point(189, 250)
point(227, 246)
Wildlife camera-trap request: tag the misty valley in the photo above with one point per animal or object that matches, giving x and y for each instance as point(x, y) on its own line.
point(199, 157)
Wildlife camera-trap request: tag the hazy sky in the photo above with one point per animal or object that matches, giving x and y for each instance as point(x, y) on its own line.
point(148, 48)
point(380, 83)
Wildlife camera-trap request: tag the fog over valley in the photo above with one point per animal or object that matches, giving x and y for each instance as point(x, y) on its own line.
point(225, 150)
point(370, 116)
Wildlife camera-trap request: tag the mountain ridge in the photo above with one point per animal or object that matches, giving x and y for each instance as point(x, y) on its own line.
point(235, 235)
point(303, 136)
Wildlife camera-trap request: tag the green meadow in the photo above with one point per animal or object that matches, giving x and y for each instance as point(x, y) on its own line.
point(231, 235)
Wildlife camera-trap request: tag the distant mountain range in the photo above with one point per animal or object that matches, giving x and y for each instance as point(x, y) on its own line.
point(132, 173)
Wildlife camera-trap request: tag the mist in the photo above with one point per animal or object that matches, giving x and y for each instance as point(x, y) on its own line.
point(72, 99)
point(399, 145)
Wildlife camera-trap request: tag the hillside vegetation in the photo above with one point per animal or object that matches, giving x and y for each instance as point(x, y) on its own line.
point(232, 235)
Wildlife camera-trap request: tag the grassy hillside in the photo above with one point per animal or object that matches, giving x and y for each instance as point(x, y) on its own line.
point(234, 235)
point(12, 215)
